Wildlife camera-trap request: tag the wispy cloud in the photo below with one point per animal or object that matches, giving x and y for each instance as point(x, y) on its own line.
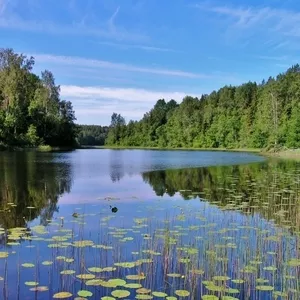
point(93, 63)
point(133, 46)
point(286, 21)
point(95, 103)
point(10, 18)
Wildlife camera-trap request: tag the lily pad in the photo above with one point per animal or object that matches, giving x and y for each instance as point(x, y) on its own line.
point(85, 276)
point(84, 293)
point(31, 283)
point(28, 265)
point(62, 295)
point(182, 293)
point(159, 294)
point(120, 293)
point(264, 287)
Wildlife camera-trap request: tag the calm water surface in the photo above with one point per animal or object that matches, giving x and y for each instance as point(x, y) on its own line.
point(185, 223)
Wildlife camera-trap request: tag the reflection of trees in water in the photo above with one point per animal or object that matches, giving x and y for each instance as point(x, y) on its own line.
point(271, 189)
point(31, 179)
point(117, 171)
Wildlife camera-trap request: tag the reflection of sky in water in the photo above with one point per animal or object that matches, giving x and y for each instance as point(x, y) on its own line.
point(98, 174)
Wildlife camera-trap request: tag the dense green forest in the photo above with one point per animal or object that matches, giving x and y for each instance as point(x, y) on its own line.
point(247, 116)
point(31, 111)
point(92, 135)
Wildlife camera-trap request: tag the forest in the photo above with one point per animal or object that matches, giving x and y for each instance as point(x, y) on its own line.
point(31, 110)
point(92, 135)
point(252, 115)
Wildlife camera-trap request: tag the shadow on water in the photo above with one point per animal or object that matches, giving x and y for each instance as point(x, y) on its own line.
point(30, 186)
point(270, 189)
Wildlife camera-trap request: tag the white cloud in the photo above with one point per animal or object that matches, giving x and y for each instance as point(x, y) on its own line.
point(98, 103)
point(100, 64)
point(282, 21)
point(124, 94)
point(134, 46)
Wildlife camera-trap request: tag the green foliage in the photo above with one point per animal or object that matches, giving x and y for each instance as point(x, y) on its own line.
point(31, 111)
point(247, 116)
point(92, 135)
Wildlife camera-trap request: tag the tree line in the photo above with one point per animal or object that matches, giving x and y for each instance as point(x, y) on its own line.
point(31, 110)
point(92, 135)
point(251, 115)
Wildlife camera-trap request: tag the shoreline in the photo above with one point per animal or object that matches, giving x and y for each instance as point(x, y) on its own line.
point(287, 154)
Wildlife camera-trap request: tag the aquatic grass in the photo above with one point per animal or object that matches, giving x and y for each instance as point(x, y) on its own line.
point(186, 252)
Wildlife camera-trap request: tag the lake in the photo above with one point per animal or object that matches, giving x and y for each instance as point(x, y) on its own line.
point(148, 224)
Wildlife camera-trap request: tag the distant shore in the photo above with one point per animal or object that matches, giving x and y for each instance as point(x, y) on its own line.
point(291, 154)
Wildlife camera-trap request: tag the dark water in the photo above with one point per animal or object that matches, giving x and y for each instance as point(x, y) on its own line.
point(177, 218)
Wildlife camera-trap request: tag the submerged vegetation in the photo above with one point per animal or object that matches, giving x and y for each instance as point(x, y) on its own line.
point(237, 235)
point(252, 115)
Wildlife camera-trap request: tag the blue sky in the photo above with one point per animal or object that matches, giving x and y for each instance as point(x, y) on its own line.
point(123, 55)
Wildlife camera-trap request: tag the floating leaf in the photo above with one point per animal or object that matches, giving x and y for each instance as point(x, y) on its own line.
point(143, 297)
point(3, 254)
point(84, 293)
point(133, 285)
point(120, 293)
point(67, 272)
point(28, 265)
point(85, 276)
point(39, 289)
point(238, 281)
point(143, 291)
point(209, 297)
point(117, 282)
point(264, 287)
point(294, 262)
point(159, 294)
point(221, 278)
point(182, 293)
point(135, 277)
point(62, 295)
point(95, 270)
point(94, 282)
point(108, 298)
point(47, 263)
point(31, 283)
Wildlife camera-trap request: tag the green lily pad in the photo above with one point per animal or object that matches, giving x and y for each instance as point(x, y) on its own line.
point(221, 278)
point(39, 289)
point(238, 281)
point(182, 293)
point(85, 276)
point(31, 283)
point(264, 287)
point(143, 297)
point(159, 294)
point(209, 297)
point(62, 295)
point(120, 293)
point(67, 272)
point(135, 277)
point(28, 265)
point(133, 285)
point(84, 293)
point(117, 282)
